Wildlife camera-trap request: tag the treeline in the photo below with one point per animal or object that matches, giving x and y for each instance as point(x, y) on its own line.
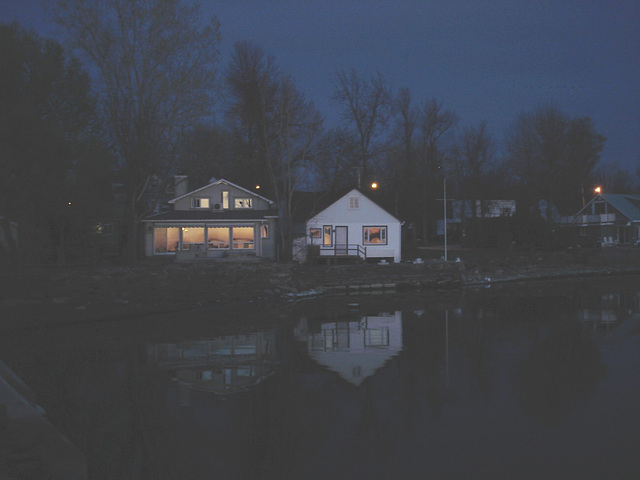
point(152, 98)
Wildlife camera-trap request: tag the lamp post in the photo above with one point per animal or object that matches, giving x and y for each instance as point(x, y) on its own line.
point(444, 184)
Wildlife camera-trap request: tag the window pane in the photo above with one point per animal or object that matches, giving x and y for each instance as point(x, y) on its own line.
point(165, 239)
point(327, 236)
point(242, 203)
point(374, 235)
point(192, 236)
point(265, 231)
point(243, 238)
point(218, 237)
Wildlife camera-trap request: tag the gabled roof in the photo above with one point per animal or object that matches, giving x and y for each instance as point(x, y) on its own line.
point(322, 202)
point(627, 204)
point(223, 182)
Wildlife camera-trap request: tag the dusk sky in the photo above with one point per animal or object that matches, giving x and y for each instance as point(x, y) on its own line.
point(485, 60)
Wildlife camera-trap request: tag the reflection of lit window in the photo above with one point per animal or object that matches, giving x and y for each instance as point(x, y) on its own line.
point(315, 233)
point(326, 239)
point(242, 203)
point(200, 202)
point(376, 337)
point(374, 235)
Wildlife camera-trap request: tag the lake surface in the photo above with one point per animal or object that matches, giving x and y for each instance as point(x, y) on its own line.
point(523, 381)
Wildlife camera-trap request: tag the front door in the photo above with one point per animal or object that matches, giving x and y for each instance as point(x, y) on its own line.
point(342, 241)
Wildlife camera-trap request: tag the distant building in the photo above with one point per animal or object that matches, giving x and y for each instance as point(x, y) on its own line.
point(608, 219)
point(460, 210)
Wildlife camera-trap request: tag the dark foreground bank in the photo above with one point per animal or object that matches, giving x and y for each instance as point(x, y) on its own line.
point(49, 296)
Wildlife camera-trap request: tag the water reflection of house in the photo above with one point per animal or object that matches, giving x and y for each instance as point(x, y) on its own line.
point(609, 310)
point(355, 349)
point(221, 365)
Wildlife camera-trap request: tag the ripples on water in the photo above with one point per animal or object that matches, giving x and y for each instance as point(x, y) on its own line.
point(535, 381)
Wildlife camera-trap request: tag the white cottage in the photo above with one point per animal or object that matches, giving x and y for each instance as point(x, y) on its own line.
point(217, 220)
point(355, 226)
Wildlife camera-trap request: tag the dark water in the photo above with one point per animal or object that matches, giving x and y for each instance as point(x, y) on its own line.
point(537, 381)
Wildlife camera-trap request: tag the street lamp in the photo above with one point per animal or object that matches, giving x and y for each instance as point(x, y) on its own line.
point(374, 185)
point(597, 189)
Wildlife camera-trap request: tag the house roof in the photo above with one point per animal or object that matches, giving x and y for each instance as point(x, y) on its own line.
point(208, 215)
point(309, 204)
point(627, 204)
point(225, 182)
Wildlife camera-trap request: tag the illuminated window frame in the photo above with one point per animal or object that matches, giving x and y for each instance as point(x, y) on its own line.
point(367, 231)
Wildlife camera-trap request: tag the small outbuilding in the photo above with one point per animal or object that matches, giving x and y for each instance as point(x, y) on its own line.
point(353, 226)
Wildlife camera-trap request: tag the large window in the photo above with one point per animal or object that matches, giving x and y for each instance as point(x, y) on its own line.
point(218, 238)
point(374, 235)
point(243, 238)
point(166, 239)
point(192, 237)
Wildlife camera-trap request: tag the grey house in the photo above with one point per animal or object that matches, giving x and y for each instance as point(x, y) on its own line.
point(218, 220)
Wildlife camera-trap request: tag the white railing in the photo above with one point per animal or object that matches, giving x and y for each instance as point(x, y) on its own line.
point(603, 218)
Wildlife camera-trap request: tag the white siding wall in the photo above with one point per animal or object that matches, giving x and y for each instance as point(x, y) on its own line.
point(367, 214)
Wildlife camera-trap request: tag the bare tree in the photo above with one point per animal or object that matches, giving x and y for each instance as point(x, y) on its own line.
point(473, 154)
point(154, 63)
point(277, 127)
point(366, 107)
point(434, 124)
point(553, 154)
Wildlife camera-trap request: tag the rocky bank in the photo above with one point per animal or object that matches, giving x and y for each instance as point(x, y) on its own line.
point(49, 296)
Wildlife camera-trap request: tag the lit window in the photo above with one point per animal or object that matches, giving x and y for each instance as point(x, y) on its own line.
point(354, 203)
point(326, 238)
point(243, 238)
point(242, 203)
point(264, 231)
point(200, 203)
point(217, 238)
point(192, 237)
point(166, 239)
point(314, 233)
point(103, 229)
point(225, 200)
point(374, 235)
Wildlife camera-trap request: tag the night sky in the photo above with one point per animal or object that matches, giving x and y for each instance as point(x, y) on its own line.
point(485, 60)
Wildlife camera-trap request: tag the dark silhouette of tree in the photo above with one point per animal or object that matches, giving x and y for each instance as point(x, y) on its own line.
point(154, 64)
point(366, 110)
point(47, 123)
point(277, 128)
point(554, 155)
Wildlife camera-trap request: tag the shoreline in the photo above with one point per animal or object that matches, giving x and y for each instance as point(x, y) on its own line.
point(47, 297)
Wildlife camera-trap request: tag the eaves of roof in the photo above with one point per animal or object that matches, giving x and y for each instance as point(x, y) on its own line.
point(197, 215)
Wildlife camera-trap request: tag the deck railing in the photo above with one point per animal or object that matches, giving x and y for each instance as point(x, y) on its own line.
point(344, 250)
